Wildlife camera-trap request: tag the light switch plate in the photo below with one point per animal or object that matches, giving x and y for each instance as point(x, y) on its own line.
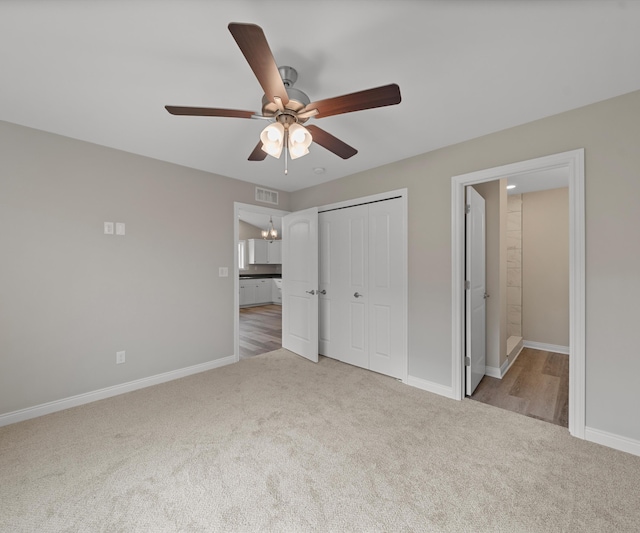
point(108, 228)
point(223, 272)
point(119, 228)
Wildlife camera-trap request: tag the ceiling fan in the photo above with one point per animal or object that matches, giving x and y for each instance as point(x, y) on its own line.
point(286, 107)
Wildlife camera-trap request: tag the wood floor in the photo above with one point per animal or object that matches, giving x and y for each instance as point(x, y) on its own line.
point(260, 330)
point(537, 385)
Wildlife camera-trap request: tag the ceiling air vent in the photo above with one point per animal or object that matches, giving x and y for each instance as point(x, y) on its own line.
point(266, 196)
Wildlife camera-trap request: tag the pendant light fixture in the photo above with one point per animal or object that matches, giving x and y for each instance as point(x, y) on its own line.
point(271, 233)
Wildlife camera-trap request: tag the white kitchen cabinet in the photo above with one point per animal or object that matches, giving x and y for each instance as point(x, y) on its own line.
point(257, 251)
point(259, 291)
point(248, 292)
point(274, 252)
point(263, 252)
point(276, 291)
point(263, 292)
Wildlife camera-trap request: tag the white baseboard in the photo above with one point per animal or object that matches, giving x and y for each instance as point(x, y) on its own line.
point(509, 362)
point(546, 347)
point(430, 386)
point(616, 442)
point(101, 394)
point(499, 373)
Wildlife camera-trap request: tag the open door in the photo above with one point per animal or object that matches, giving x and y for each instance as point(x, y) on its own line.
point(476, 294)
point(300, 283)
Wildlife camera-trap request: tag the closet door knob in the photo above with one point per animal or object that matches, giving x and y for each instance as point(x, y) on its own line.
point(358, 295)
point(311, 292)
point(323, 291)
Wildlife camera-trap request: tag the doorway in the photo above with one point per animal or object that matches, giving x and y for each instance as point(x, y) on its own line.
point(257, 325)
point(535, 386)
point(527, 295)
point(573, 162)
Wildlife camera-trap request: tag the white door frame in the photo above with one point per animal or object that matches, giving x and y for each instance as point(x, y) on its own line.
point(573, 161)
point(237, 207)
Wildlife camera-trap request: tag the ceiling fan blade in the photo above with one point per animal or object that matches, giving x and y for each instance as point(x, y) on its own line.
point(331, 143)
point(254, 46)
point(258, 153)
point(367, 99)
point(208, 112)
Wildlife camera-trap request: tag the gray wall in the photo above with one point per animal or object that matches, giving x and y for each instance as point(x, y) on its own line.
point(545, 266)
point(70, 296)
point(609, 133)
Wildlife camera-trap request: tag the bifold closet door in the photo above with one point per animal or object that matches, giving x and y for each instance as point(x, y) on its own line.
point(361, 279)
point(386, 288)
point(343, 278)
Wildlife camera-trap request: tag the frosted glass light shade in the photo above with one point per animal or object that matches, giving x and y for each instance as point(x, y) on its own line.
point(272, 138)
point(299, 140)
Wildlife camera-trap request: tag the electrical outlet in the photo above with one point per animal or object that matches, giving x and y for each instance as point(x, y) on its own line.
point(108, 228)
point(120, 358)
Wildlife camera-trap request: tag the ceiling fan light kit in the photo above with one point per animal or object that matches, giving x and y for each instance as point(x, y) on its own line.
point(287, 107)
point(272, 138)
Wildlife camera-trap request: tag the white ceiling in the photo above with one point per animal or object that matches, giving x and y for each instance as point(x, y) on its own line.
point(102, 71)
point(539, 181)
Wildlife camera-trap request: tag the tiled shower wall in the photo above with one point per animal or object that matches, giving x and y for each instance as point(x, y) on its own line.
point(514, 265)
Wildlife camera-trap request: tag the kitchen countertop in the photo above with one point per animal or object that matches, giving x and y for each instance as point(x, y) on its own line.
point(260, 276)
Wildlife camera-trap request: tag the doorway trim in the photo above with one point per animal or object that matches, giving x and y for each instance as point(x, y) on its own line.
point(237, 207)
point(573, 161)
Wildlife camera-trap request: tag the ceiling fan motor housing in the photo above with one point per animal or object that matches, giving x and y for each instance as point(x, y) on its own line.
point(289, 75)
point(297, 99)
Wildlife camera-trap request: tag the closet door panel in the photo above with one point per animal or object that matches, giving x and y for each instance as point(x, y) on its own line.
point(357, 326)
point(357, 248)
point(381, 331)
point(331, 283)
point(356, 291)
point(386, 302)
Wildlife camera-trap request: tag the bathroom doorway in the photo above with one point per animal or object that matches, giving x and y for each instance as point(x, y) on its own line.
point(573, 162)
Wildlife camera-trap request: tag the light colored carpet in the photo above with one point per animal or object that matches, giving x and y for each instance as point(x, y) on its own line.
point(276, 443)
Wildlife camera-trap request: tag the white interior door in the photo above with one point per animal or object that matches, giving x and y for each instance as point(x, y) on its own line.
point(300, 283)
point(344, 282)
point(356, 284)
point(385, 292)
point(476, 290)
point(332, 282)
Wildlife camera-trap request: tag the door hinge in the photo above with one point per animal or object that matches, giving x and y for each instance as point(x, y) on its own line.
point(467, 209)
point(467, 361)
point(467, 285)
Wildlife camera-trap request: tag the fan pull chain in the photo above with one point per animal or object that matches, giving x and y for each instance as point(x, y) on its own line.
point(286, 151)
